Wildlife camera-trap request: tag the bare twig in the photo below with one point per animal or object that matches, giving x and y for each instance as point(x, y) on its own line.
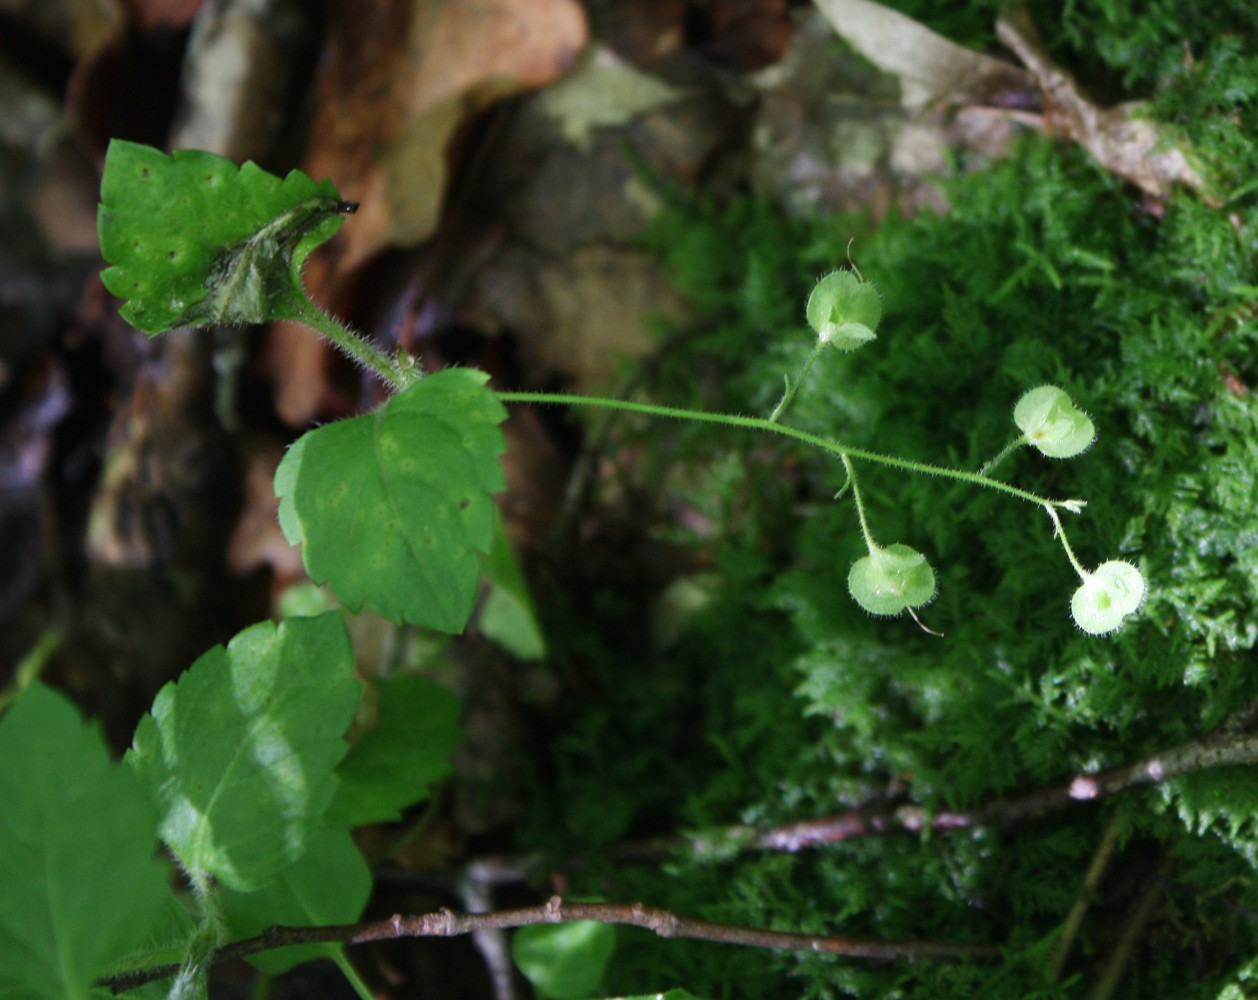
point(492, 943)
point(447, 923)
point(1232, 744)
point(1087, 893)
point(1120, 957)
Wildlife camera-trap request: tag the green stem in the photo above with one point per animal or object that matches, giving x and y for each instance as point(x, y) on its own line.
point(31, 666)
point(792, 385)
point(213, 927)
point(388, 369)
point(349, 972)
point(191, 982)
point(263, 986)
point(1060, 532)
point(860, 505)
point(762, 424)
point(1005, 452)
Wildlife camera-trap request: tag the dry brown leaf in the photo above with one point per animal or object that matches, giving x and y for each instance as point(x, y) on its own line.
point(581, 314)
point(600, 298)
point(1137, 149)
point(400, 78)
point(297, 360)
point(931, 69)
point(83, 26)
point(564, 281)
point(257, 540)
point(602, 91)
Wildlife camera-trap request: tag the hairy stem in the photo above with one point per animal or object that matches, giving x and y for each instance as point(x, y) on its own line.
point(1004, 453)
point(870, 544)
point(1060, 532)
point(191, 975)
point(389, 370)
point(792, 385)
point(763, 424)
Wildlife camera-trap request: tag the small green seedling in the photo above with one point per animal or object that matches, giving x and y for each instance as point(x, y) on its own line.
point(393, 508)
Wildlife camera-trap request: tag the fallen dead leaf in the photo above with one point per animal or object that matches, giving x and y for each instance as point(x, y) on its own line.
point(566, 281)
point(931, 69)
point(400, 78)
point(1133, 147)
point(257, 540)
point(580, 315)
point(640, 33)
point(604, 90)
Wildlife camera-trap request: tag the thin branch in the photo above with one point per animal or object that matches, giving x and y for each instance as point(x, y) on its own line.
point(493, 945)
point(1232, 744)
point(1120, 957)
point(1071, 926)
point(448, 923)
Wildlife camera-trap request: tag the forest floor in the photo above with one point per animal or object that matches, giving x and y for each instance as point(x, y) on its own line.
point(507, 158)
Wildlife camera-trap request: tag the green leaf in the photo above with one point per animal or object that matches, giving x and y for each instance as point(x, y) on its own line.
point(398, 759)
point(507, 615)
point(1052, 423)
point(195, 240)
point(330, 884)
point(393, 508)
point(240, 750)
point(564, 961)
point(887, 581)
point(80, 882)
point(844, 311)
point(166, 942)
point(1107, 596)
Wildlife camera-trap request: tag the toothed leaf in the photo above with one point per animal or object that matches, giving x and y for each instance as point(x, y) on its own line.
point(195, 240)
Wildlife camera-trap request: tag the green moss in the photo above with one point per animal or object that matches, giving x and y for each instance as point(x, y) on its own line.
point(784, 701)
